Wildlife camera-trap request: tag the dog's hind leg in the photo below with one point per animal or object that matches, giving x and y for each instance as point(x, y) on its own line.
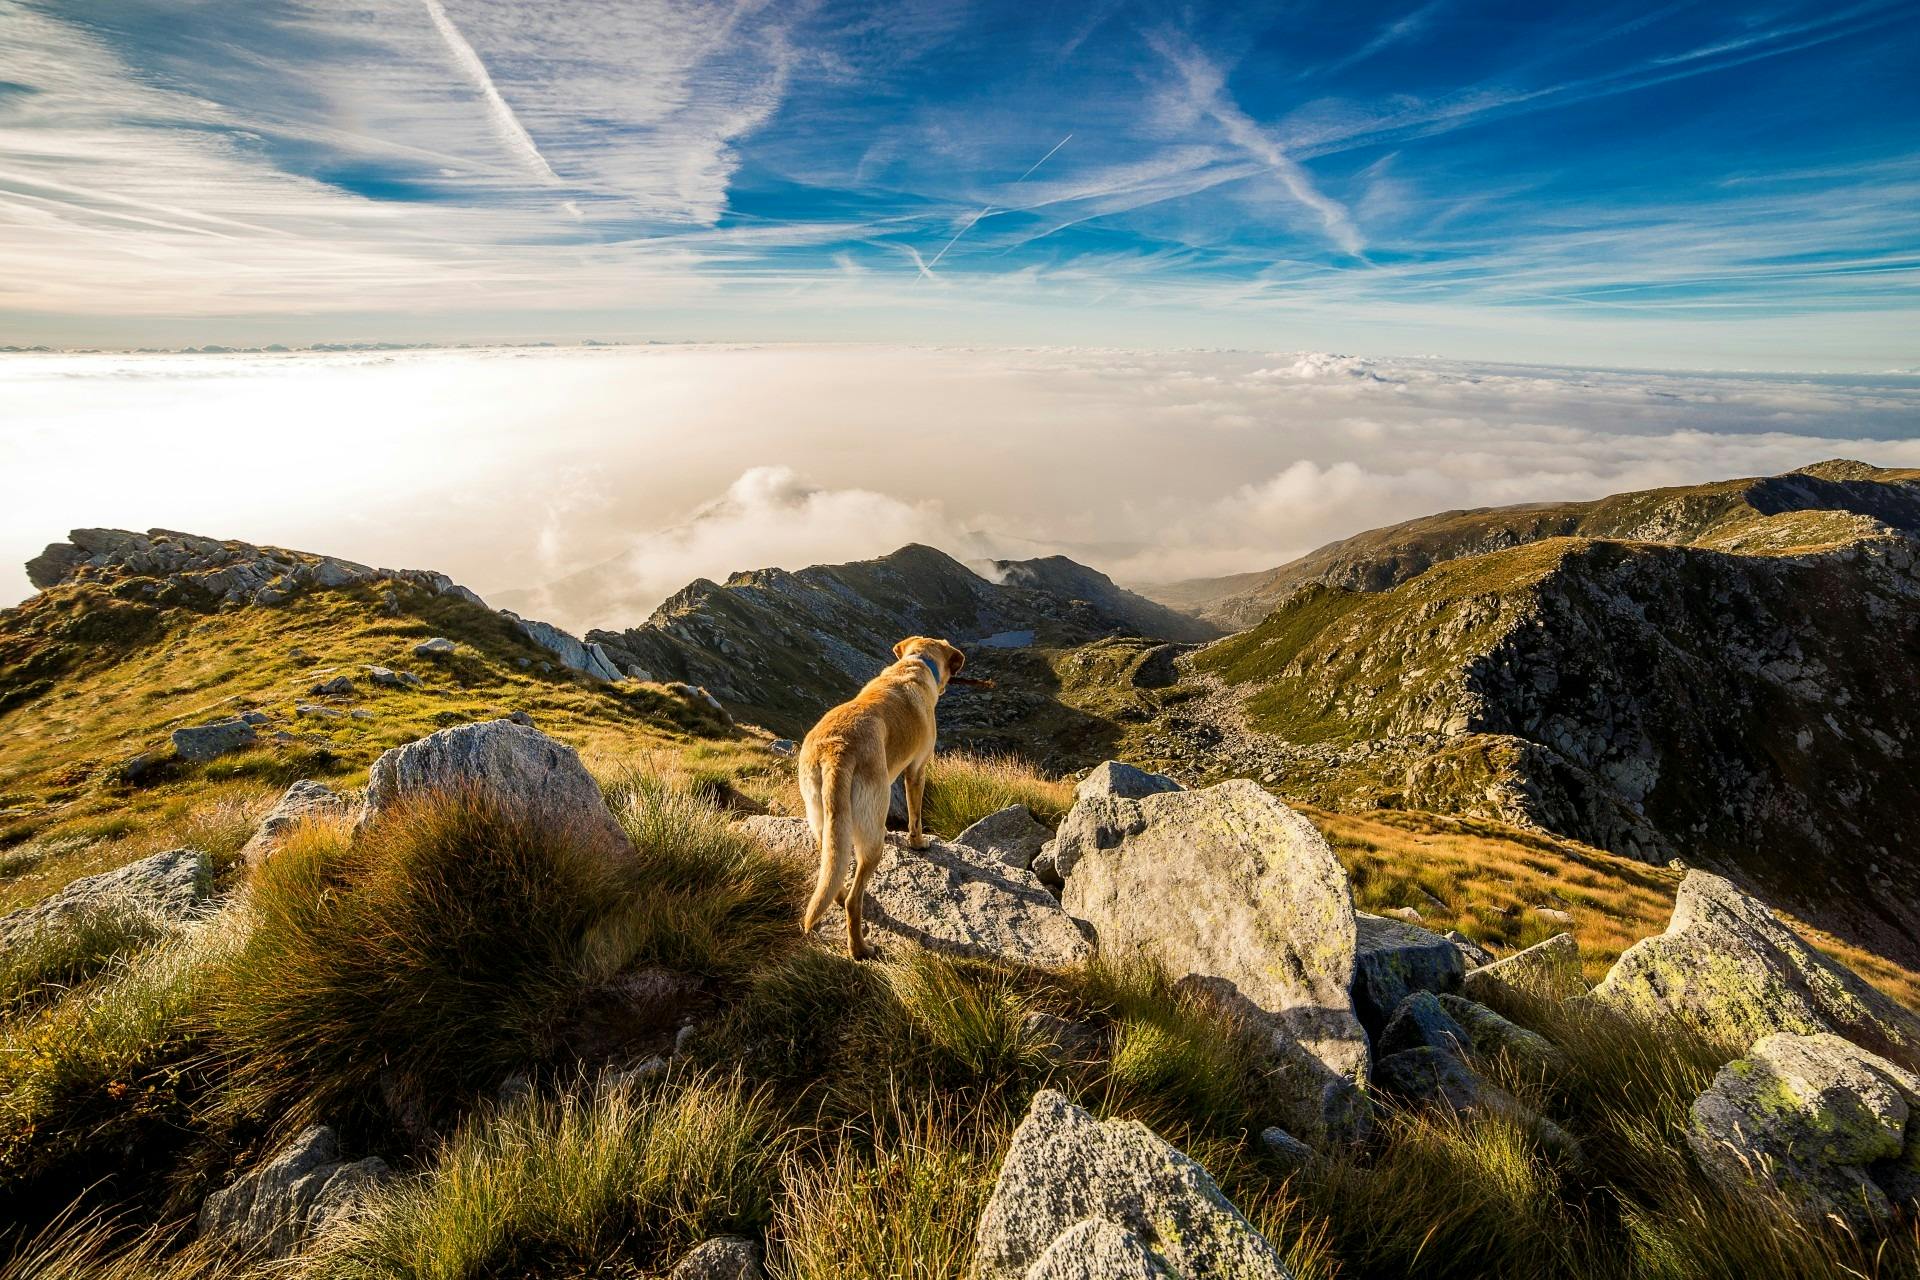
point(828, 794)
point(867, 855)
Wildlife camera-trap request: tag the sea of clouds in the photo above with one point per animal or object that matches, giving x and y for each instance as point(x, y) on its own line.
point(586, 485)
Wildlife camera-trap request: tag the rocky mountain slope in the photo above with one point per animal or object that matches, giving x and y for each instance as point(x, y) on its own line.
point(1747, 697)
point(1835, 499)
point(778, 647)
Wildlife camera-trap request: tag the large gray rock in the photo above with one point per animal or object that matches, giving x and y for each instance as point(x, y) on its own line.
point(1492, 1036)
point(168, 888)
point(1065, 1169)
point(208, 741)
point(949, 899)
point(1420, 1022)
point(721, 1258)
point(587, 659)
point(1392, 960)
point(518, 765)
point(1230, 889)
point(438, 647)
point(303, 800)
point(305, 1187)
point(1730, 972)
point(1547, 970)
point(1833, 1128)
point(1123, 781)
point(1010, 835)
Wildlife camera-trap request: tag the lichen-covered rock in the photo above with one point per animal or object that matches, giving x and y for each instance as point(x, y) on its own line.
point(1730, 972)
point(1230, 889)
point(1098, 1249)
point(949, 899)
point(303, 800)
point(1492, 1036)
point(1064, 1169)
point(1393, 959)
point(169, 887)
point(1010, 835)
point(1422, 1021)
point(1425, 1074)
point(208, 741)
point(438, 647)
point(272, 1210)
point(1827, 1124)
point(1113, 779)
point(1547, 970)
point(721, 1258)
point(519, 766)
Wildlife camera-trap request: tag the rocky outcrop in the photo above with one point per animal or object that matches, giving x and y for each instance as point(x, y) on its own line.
point(569, 651)
point(1833, 1129)
point(1392, 960)
point(1230, 889)
point(271, 1211)
point(168, 888)
point(300, 802)
point(949, 899)
point(1548, 970)
point(200, 742)
point(1081, 1198)
point(227, 572)
point(517, 765)
point(1011, 835)
point(1726, 970)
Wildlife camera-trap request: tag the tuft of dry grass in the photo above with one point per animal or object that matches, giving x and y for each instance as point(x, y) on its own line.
point(964, 787)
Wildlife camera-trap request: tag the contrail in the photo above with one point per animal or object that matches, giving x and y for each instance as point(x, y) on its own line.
point(926, 270)
point(508, 124)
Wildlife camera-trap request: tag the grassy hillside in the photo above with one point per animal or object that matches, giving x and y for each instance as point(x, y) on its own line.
point(1823, 504)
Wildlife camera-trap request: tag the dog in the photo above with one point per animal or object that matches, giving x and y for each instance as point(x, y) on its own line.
point(847, 767)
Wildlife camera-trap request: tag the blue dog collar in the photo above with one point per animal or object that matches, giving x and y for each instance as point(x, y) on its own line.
point(933, 667)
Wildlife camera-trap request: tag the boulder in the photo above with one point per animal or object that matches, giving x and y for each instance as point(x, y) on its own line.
point(1730, 972)
point(1392, 960)
point(208, 741)
point(305, 1187)
point(1098, 1249)
point(336, 687)
point(315, 709)
point(169, 887)
point(948, 899)
point(783, 746)
point(303, 800)
point(588, 659)
point(521, 766)
point(393, 679)
point(1547, 970)
point(1010, 835)
point(1116, 780)
point(1828, 1125)
point(1492, 1036)
point(1476, 955)
point(721, 1258)
point(1428, 1075)
point(1284, 1147)
point(1422, 1021)
point(1231, 890)
point(438, 647)
point(1065, 1169)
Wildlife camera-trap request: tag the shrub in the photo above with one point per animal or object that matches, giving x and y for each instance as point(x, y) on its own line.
point(598, 1176)
point(963, 788)
point(442, 950)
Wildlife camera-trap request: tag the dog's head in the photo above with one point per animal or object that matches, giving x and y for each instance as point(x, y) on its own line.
point(943, 657)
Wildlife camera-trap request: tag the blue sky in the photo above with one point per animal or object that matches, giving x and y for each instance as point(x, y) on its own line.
point(1709, 185)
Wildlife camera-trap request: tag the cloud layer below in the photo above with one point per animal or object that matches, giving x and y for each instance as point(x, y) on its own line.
point(521, 469)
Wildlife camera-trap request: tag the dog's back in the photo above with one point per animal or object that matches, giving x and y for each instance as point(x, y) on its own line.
point(849, 761)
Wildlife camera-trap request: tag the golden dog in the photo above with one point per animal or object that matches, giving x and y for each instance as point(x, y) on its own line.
point(848, 764)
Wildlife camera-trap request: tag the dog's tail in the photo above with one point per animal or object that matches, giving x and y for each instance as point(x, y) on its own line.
point(836, 840)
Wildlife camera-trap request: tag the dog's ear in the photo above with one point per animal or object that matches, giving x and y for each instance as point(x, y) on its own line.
point(900, 650)
point(955, 659)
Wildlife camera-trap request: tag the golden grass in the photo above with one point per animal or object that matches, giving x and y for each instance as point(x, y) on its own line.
point(964, 787)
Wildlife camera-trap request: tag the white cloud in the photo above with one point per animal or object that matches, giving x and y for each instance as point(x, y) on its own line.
point(679, 462)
